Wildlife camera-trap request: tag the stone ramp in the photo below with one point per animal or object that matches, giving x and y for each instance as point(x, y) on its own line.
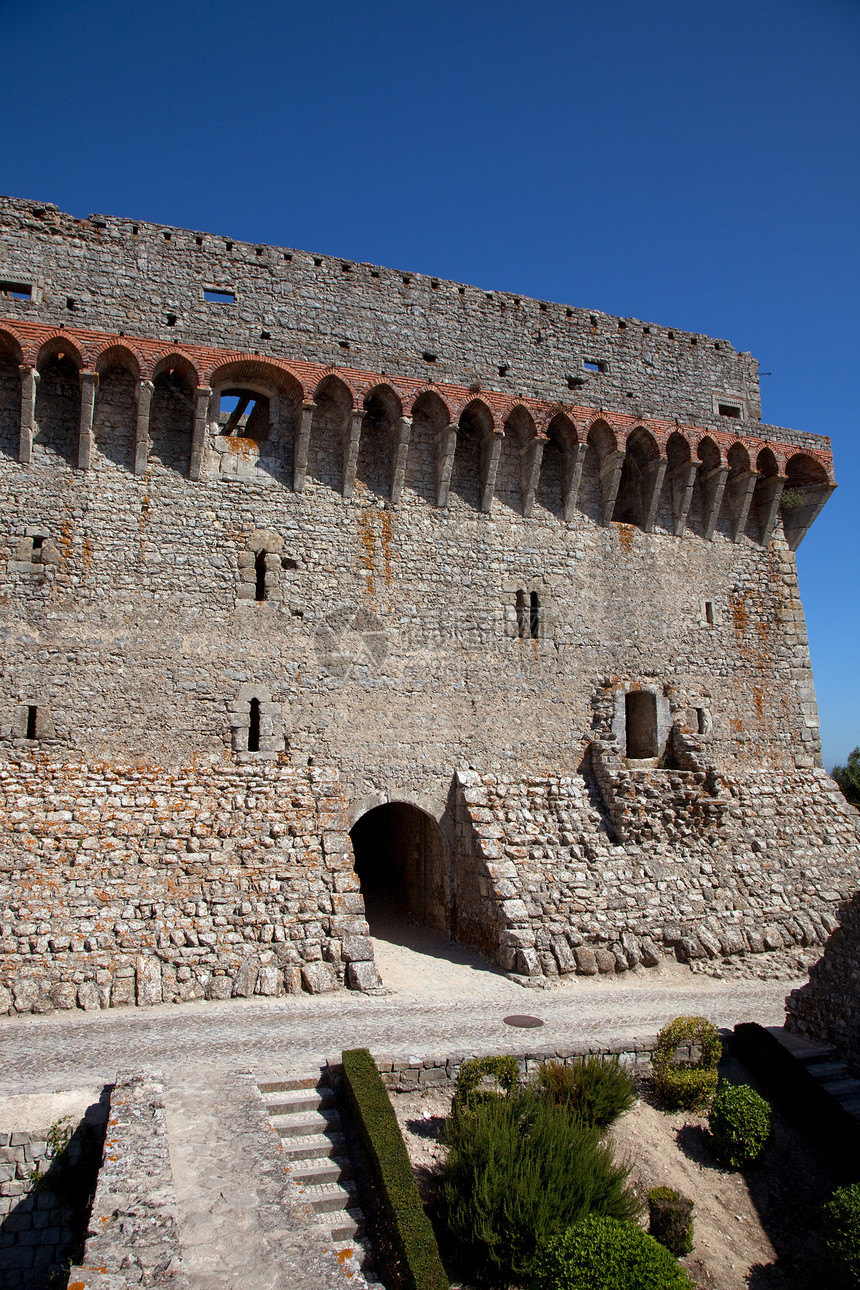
point(194, 1194)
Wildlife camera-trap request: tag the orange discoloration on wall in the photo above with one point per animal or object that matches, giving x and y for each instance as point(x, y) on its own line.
point(367, 538)
point(625, 536)
point(740, 615)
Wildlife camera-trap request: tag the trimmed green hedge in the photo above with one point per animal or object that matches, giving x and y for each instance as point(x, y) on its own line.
point(412, 1234)
point(605, 1254)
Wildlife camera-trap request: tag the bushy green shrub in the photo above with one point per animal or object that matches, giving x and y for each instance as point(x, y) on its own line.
point(597, 1089)
point(740, 1122)
point(519, 1170)
point(411, 1233)
point(670, 1219)
point(839, 1237)
point(604, 1254)
point(472, 1074)
point(687, 1084)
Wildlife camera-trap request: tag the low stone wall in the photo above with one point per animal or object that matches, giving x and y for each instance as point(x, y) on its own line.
point(707, 868)
point(410, 1076)
point(828, 1007)
point(134, 1228)
point(44, 1199)
point(122, 886)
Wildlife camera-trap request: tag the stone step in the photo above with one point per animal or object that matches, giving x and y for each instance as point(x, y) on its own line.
point(824, 1070)
point(305, 1125)
point(292, 1084)
point(839, 1088)
point(345, 1226)
point(312, 1173)
point(312, 1099)
point(329, 1197)
point(315, 1146)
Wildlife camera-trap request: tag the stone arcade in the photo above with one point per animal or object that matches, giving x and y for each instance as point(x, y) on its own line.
point(296, 547)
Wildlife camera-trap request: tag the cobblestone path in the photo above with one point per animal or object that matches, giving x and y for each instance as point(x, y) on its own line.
point(451, 1003)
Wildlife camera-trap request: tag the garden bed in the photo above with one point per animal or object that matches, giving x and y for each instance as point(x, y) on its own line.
point(752, 1229)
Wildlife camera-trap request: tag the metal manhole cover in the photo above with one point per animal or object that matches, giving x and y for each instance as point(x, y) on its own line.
point(523, 1021)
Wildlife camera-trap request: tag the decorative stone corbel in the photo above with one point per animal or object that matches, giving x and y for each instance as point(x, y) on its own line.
point(739, 491)
point(572, 461)
point(302, 446)
point(401, 454)
point(446, 445)
point(652, 483)
point(491, 449)
point(682, 480)
point(198, 438)
point(767, 505)
point(351, 441)
point(89, 385)
point(141, 434)
point(610, 479)
point(29, 385)
point(531, 456)
point(713, 484)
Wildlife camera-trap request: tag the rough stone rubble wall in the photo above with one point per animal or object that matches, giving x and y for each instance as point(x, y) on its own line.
point(123, 886)
point(551, 891)
point(828, 1007)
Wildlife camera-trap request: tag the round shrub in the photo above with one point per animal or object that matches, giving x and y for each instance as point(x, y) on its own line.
point(839, 1237)
point(519, 1170)
point(596, 1089)
point(687, 1083)
point(601, 1252)
point(471, 1075)
point(670, 1219)
point(740, 1122)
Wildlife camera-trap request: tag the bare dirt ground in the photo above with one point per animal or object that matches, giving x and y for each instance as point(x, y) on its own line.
point(753, 1229)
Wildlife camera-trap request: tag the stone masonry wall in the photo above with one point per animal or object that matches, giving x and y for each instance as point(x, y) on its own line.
point(553, 890)
point(132, 276)
point(126, 886)
point(441, 528)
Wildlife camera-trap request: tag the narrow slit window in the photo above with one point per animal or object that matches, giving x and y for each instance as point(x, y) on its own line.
point(260, 572)
point(32, 714)
point(254, 726)
point(709, 612)
point(38, 543)
point(534, 616)
point(522, 615)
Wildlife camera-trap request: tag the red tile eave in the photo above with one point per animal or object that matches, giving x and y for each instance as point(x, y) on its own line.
point(301, 378)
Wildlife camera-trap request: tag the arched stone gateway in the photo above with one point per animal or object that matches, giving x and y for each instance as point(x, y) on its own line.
point(401, 858)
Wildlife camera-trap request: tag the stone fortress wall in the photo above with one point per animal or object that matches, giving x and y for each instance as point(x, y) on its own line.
point(348, 523)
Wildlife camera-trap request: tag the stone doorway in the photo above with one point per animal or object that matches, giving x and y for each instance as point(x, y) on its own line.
point(401, 859)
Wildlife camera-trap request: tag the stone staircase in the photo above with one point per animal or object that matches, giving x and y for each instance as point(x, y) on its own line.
point(826, 1067)
point(305, 1115)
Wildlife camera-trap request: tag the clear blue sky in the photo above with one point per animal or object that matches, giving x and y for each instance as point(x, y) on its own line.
point(690, 163)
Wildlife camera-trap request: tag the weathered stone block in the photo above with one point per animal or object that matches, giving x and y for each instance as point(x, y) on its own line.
point(362, 975)
point(586, 960)
point(317, 978)
point(148, 981)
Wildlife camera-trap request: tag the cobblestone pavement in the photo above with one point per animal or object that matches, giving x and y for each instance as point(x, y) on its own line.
point(450, 1002)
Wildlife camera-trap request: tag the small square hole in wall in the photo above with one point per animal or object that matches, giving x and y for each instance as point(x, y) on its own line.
point(167, 237)
point(374, 273)
point(199, 241)
point(260, 250)
point(428, 357)
point(621, 324)
point(344, 344)
point(575, 382)
point(317, 261)
point(70, 304)
point(461, 290)
point(542, 307)
point(265, 335)
point(503, 369)
point(228, 246)
point(287, 255)
point(171, 320)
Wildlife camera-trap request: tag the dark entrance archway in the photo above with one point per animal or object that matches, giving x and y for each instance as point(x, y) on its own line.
point(401, 859)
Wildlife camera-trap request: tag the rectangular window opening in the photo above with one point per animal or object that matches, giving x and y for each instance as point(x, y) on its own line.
point(32, 714)
point(16, 290)
point(218, 297)
point(593, 365)
point(261, 592)
point(729, 410)
point(640, 708)
point(709, 612)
